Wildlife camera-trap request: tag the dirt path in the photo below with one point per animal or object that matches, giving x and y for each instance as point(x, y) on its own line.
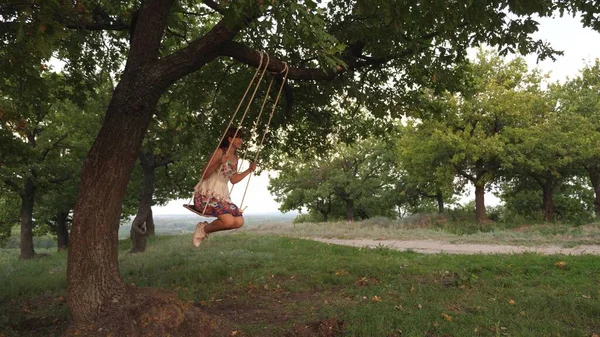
point(433, 247)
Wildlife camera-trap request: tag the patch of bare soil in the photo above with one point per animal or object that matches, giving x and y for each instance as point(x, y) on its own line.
point(153, 313)
point(278, 312)
point(324, 328)
point(41, 316)
point(434, 247)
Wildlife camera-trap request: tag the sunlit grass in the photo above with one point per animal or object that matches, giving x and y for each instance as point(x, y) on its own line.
point(529, 235)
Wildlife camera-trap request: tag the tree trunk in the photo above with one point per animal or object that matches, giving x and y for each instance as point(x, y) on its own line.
point(140, 227)
point(595, 180)
point(548, 202)
point(94, 284)
point(480, 215)
point(149, 166)
point(150, 224)
point(440, 201)
point(139, 232)
point(26, 213)
point(349, 210)
point(324, 214)
point(323, 210)
point(62, 231)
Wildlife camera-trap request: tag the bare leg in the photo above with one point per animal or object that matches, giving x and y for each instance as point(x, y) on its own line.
point(224, 222)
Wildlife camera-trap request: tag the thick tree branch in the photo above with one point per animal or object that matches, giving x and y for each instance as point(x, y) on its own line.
point(464, 173)
point(214, 6)
point(149, 29)
point(251, 57)
point(191, 58)
point(353, 58)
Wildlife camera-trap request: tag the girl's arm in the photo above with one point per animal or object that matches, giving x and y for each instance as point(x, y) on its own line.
point(217, 160)
point(236, 178)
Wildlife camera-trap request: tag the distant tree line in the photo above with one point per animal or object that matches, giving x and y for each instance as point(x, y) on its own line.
point(536, 146)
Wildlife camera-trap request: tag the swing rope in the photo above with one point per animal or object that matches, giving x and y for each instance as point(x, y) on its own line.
point(190, 203)
point(254, 128)
point(242, 119)
point(286, 70)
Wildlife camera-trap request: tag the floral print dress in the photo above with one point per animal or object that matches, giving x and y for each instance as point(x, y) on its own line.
point(214, 191)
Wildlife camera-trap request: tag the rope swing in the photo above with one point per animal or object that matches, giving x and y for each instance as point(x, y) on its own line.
point(263, 55)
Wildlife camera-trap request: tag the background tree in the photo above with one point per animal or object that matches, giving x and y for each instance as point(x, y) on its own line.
point(351, 180)
point(471, 129)
point(364, 177)
point(428, 174)
point(28, 100)
point(579, 101)
point(78, 124)
point(546, 150)
point(303, 185)
point(175, 138)
point(523, 200)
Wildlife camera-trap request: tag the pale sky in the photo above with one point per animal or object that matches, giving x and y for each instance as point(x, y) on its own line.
point(580, 45)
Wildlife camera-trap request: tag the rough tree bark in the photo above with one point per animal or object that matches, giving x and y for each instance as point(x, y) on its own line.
point(477, 180)
point(324, 208)
point(548, 184)
point(94, 284)
point(548, 200)
point(439, 197)
point(143, 224)
point(93, 276)
point(349, 210)
point(139, 232)
point(480, 213)
point(26, 214)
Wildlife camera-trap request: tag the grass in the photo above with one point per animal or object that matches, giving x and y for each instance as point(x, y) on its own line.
point(272, 285)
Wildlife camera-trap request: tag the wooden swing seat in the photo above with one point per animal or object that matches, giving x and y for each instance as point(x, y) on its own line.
point(191, 208)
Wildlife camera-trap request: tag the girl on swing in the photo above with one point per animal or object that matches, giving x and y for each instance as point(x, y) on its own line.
point(211, 194)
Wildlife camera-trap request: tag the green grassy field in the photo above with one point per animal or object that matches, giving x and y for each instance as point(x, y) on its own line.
point(271, 285)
